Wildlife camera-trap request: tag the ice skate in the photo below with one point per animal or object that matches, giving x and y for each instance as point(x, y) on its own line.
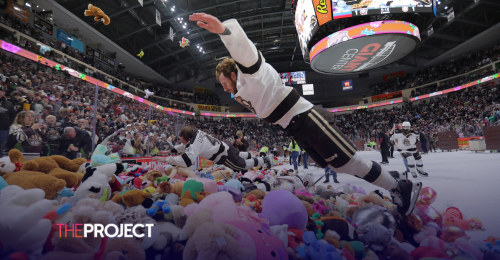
point(414, 174)
point(423, 173)
point(405, 196)
point(326, 181)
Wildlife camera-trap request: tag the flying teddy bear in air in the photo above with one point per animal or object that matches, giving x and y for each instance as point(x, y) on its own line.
point(98, 14)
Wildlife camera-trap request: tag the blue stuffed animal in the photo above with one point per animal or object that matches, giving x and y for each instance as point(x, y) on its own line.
point(318, 249)
point(157, 205)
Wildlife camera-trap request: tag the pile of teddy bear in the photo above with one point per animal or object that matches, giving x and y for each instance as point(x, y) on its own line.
point(214, 213)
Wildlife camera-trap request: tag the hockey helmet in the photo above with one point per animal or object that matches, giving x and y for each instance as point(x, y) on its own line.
point(406, 124)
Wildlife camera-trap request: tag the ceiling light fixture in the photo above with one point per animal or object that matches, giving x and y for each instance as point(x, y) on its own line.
point(183, 26)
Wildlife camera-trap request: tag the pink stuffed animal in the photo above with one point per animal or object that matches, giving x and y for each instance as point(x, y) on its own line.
point(258, 238)
point(320, 209)
point(224, 209)
point(304, 192)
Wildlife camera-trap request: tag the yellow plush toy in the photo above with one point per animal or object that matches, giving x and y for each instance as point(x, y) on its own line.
point(98, 14)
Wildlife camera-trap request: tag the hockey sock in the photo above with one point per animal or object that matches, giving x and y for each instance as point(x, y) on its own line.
point(371, 172)
point(245, 155)
point(411, 165)
point(254, 162)
point(418, 161)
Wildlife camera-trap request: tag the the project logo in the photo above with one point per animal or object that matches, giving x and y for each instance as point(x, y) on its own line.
point(100, 230)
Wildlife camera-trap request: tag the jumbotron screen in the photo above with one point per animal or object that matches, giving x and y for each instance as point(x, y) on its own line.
point(349, 8)
point(312, 14)
point(293, 78)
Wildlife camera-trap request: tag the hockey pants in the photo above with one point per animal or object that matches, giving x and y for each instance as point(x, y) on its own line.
point(414, 159)
point(316, 133)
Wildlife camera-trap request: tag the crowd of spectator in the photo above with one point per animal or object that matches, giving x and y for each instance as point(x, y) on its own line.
point(466, 111)
point(50, 112)
point(161, 90)
point(467, 63)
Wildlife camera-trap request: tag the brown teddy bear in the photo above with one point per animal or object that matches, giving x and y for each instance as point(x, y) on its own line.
point(152, 175)
point(29, 180)
point(57, 166)
point(98, 14)
point(165, 187)
point(48, 163)
point(131, 197)
point(258, 194)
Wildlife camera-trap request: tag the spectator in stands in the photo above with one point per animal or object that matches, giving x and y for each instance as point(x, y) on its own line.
point(54, 132)
point(20, 103)
point(75, 141)
point(7, 116)
point(117, 148)
point(27, 137)
point(137, 144)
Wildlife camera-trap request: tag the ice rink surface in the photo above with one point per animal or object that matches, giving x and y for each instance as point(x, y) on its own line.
point(467, 180)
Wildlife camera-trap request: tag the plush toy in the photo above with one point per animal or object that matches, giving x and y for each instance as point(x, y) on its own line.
point(89, 210)
point(47, 163)
point(165, 187)
point(180, 172)
point(223, 175)
point(257, 193)
point(191, 191)
point(154, 175)
point(29, 180)
point(21, 225)
point(376, 236)
point(258, 238)
point(215, 241)
point(178, 186)
point(157, 205)
point(224, 209)
point(369, 200)
point(235, 184)
point(3, 183)
point(254, 203)
point(136, 171)
point(95, 182)
point(319, 249)
point(100, 158)
point(169, 233)
point(341, 226)
point(392, 252)
point(162, 179)
point(137, 215)
point(133, 198)
point(98, 14)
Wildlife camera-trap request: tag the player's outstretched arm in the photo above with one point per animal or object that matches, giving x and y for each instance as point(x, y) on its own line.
point(242, 50)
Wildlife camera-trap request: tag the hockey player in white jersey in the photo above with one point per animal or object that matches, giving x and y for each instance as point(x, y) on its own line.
point(258, 86)
point(405, 141)
point(199, 143)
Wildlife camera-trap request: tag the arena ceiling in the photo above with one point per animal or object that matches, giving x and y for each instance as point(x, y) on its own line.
point(268, 24)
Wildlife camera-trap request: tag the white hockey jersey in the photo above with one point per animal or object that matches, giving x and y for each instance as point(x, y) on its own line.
point(259, 86)
point(203, 145)
point(405, 141)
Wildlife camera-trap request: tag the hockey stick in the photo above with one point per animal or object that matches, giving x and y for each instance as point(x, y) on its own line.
point(318, 180)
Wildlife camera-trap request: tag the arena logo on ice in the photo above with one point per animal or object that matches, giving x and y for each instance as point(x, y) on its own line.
point(100, 230)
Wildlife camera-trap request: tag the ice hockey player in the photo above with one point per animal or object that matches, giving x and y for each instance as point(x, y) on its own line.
point(405, 141)
point(199, 143)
